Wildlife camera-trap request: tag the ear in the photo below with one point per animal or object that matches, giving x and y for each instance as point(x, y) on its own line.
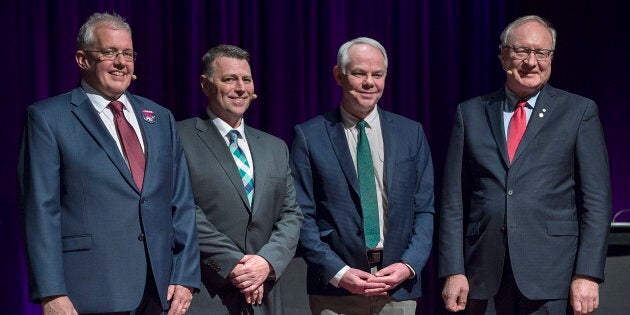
point(82, 60)
point(338, 75)
point(504, 64)
point(204, 82)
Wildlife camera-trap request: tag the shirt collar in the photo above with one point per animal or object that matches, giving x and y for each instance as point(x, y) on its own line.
point(224, 127)
point(99, 101)
point(349, 120)
point(511, 100)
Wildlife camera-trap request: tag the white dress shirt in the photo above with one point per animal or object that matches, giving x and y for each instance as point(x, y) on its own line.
point(100, 103)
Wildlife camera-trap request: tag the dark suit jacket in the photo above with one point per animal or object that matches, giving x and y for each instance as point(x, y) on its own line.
point(327, 192)
point(87, 224)
point(228, 227)
point(550, 207)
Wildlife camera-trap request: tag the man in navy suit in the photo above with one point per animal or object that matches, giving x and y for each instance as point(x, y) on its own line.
point(363, 262)
point(109, 213)
point(526, 200)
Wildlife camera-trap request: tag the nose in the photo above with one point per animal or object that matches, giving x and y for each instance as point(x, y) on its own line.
point(369, 81)
point(119, 59)
point(239, 85)
point(531, 58)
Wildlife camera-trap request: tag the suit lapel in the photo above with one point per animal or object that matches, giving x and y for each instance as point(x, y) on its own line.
point(216, 145)
point(260, 160)
point(337, 136)
point(87, 115)
point(540, 115)
point(494, 112)
point(390, 143)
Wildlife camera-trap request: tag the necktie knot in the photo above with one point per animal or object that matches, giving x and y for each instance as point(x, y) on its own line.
point(116, 106)
point(233, 136)
point(361, 124)
point(521, 104)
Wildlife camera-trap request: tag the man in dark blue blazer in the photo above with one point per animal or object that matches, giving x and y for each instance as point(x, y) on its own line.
point(346, 274)
point(103, 235)
point(526, 200)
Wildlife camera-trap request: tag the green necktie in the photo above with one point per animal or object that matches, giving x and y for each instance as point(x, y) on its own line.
point(367, 188)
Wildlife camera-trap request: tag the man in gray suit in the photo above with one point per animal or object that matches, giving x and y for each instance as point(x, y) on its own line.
point(526, 197)
point(247, 216)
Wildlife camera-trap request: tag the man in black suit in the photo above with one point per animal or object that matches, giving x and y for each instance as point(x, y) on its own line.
point(526, 199)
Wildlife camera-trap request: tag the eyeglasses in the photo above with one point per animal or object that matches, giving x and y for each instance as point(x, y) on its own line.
point(524, 52)
point(112, 54)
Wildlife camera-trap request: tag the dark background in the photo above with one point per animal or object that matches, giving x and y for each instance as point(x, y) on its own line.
point(440, 53)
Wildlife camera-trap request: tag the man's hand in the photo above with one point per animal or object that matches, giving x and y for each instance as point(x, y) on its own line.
point(256, 296)
point(390, 276)
point(58, 305)
point(455, 292)
point(250, 273)
point(584, 296)
point(355, 281)
point(180, 297)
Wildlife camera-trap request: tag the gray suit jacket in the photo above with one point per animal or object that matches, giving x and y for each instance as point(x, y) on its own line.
point(550, 207)
point(228, 227)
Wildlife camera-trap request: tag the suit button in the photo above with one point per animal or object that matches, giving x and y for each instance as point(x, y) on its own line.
point(141, 237)
point(503, 228)
point(250, 226)
point(143, 200)
point(510, 192)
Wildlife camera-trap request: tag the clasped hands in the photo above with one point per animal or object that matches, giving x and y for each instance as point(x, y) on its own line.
point(249, 275)
point(360, 282)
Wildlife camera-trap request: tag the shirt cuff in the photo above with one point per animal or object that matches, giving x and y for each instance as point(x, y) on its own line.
point(337, 278)
point(413, 272)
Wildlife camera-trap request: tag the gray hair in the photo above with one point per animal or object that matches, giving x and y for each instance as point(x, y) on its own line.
point(343, 59)
point(505, 35)
point(85, 39)
point(222, 50)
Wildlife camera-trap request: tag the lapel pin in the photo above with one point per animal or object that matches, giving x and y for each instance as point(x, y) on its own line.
point(544, 110)
point(148, 116)
point(541, 115)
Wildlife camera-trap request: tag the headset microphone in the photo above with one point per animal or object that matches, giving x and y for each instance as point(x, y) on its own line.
point(134, 77)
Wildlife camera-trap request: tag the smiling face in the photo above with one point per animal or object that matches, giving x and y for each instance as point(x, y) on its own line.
point(110, 77)
point(229, 90)
point(364, 80)
point(528, 75)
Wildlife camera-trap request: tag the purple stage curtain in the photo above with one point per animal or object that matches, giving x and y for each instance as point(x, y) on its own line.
point(440, 53)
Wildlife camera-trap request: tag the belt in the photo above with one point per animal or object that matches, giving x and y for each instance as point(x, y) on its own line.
point(375, 257)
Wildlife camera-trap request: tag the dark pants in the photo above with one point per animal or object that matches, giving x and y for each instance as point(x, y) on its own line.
point(150, 303)
point(510, 301)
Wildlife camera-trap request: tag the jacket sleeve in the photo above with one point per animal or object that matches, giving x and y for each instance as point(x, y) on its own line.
point(451, 243)
point(40, 191)
point(593, 182)
point(185, 244)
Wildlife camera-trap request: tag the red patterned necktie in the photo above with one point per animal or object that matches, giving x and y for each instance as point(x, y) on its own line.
point(518, 123)
point(130, 143)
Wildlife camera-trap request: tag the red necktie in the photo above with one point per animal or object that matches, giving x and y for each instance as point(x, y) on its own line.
point(518, 123)
point(130, 143)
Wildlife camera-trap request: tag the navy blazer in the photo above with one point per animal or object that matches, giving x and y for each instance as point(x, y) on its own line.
point(87, 224)
point(550, 207)
point(327, 192)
